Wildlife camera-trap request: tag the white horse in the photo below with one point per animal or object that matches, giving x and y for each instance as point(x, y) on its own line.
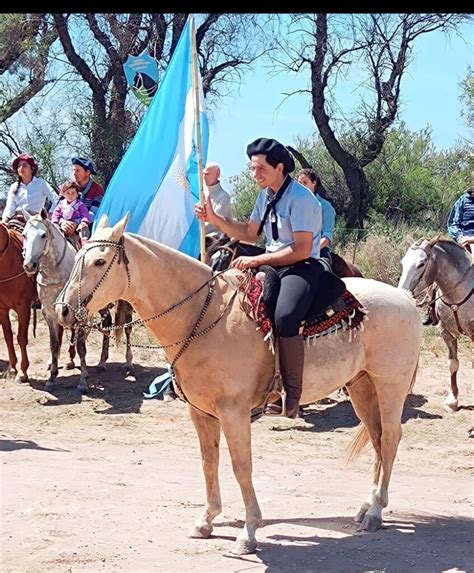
point(47, 252)
point(450, 266)
point(224, 367)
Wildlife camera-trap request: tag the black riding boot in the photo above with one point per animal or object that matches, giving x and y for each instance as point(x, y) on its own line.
point(291, 351)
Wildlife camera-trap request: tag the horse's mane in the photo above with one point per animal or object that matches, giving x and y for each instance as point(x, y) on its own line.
point(16, 238)
point(154, 247)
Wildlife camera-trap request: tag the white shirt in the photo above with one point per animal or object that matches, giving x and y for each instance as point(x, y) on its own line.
point(31, 197)
point(221, 204)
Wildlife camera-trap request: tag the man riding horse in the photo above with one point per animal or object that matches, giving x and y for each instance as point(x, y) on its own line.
point(291, 217)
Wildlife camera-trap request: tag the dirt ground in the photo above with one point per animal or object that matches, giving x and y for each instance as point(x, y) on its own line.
point(112, 482)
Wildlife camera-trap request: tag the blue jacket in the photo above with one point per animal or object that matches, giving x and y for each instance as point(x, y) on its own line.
point(461, 218)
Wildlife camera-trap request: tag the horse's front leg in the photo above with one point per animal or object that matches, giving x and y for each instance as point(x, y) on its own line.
point(453, 362)
point(82, 387)
point(208, 431)
point(236, 426)
point(23, 323)
point(55, 346)
point(8, 334)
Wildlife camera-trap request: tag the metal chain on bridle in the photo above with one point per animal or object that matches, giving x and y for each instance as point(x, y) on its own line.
point(81, 313)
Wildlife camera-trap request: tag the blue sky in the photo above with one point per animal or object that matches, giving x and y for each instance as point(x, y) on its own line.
point(430, 97)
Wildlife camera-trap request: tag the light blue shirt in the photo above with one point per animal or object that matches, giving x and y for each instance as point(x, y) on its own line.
point(297, 210)
point(32, 197)
point(329, 218)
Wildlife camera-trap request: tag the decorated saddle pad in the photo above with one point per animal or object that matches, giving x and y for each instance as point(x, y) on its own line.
point(345, 311)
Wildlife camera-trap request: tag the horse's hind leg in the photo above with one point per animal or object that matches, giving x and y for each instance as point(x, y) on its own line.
point(23, 324)
point(236, 427)
point(208, 430)
point(452, 344)
point(388, 398)
point(104, 355)
point(365, 402)
point(129, 367)
point(8, 334)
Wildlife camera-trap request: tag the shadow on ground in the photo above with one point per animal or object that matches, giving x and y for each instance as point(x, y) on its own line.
point(13, 445)
point(418, 543)
point(124, 394)
point(340, 414)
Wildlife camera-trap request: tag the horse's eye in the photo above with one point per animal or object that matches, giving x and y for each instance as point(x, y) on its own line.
point(43, 235)
point(99, 263)
point(420, 264)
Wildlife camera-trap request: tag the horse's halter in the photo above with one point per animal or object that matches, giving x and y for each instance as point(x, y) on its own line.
point(49, 235)
point(80, 312)
point(429, 259)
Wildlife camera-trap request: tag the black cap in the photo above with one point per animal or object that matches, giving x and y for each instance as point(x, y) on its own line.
point(273, 149)
point(85, 163)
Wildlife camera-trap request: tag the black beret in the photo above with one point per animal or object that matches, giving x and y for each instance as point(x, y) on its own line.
point(85, 163)
point(273, 149)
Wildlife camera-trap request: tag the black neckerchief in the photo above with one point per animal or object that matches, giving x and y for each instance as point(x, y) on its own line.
point(271, 207)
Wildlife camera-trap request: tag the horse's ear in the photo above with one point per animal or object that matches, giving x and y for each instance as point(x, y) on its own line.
point(103, 222)
point(25, 214)
point(119, 229)
point(44, 213)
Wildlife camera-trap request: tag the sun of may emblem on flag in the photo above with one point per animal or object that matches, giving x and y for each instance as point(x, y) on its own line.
point(142, 76)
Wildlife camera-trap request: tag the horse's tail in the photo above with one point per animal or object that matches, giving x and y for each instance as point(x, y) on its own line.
point(120, 319)
point(360, 440)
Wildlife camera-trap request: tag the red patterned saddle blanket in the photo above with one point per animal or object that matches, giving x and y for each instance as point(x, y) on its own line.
point(345, 313)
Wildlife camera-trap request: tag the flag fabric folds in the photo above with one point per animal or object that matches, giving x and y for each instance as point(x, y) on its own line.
point(157, 179)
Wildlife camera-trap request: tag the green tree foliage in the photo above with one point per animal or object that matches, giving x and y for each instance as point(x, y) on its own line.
point(411, 181)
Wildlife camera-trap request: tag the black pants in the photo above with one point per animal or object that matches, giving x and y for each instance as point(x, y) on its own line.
point(299, 284)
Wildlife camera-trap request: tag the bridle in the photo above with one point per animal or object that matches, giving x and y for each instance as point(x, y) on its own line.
point(81, 314)
point(61, 258)
point(453, 306)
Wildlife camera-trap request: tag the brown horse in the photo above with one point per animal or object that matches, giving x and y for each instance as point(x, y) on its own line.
point(224, 367)
point(17, 292)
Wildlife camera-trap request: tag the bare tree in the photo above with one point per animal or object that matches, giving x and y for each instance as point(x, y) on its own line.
point(379, 46)
point(97, 45)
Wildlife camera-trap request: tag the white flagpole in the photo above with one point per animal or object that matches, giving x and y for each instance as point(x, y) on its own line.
point(197, 124)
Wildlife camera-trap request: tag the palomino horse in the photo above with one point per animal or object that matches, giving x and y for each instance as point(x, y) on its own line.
point(224, 367)
point(49, 253)
point(450, 266)
point(17, 292)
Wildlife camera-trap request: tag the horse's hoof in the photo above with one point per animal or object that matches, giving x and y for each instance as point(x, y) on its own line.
point(370, 523)
point(244, 547)
point(129, 370)
point(21, 378)
point(361, 513)
point(70, 365)
point(201, 531)
point(452, 403)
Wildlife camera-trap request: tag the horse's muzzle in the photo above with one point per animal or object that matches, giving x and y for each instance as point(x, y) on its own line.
point(30, 268)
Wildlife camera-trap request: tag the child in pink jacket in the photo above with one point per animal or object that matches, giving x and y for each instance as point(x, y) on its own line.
point(70, 208)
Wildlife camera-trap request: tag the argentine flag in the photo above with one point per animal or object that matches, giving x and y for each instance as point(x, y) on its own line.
point(157, 179)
